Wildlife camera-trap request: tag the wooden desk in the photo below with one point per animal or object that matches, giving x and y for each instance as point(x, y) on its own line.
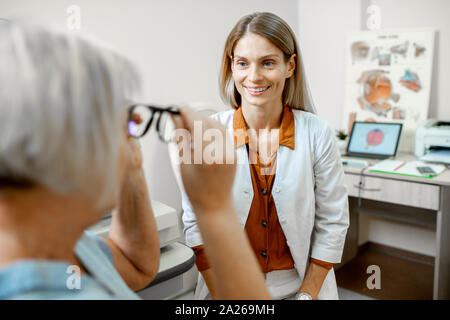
point(420, 201)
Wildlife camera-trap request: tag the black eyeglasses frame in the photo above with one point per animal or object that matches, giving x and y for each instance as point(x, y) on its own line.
point(154, 110)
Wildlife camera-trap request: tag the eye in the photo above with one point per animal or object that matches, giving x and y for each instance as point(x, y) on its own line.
point(268, 63)
point(241, 64)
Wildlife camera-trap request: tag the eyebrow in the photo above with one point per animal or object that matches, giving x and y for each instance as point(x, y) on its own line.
point(261, 58)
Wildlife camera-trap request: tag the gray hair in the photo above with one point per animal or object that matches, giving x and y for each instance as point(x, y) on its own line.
point(61, 110)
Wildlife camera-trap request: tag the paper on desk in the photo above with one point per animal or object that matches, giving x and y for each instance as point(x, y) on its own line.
point(406, 168)
point(442, 156)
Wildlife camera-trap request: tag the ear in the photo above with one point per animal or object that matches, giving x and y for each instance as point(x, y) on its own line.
point(291, 66)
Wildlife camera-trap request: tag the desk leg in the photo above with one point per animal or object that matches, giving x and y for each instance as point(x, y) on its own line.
point(441, 286)
point(351, 239)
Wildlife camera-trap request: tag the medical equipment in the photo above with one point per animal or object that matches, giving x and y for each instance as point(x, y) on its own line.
point(432, 141)
point(166, 222)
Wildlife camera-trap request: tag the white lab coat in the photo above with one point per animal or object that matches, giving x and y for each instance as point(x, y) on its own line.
point(308, 191)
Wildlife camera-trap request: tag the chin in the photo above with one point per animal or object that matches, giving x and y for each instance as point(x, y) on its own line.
point(258, 101)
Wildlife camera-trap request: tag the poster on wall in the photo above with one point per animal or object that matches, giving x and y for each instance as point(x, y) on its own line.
point(388, 78)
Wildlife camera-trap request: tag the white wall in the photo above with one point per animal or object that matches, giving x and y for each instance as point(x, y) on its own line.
point(398, 235)
point(323, 25)
point(176, 44)
point(399, 14)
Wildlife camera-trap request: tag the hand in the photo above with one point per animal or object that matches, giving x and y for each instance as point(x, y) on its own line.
point(313, 281)
point(207, 184)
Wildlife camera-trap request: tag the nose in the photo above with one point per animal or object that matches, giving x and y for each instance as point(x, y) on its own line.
point(254, 73)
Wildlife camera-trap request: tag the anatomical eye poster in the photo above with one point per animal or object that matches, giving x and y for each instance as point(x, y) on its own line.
point(388, 77)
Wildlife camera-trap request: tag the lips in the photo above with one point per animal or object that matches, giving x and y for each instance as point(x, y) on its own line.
point(256, 91)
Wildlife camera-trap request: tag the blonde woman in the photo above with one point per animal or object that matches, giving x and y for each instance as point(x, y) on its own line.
point(291, 201)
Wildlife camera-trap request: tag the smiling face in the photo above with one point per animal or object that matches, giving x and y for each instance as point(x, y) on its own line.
point(260, 71)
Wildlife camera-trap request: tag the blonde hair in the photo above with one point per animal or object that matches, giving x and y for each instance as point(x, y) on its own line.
point(62, 111)
point(270, 26)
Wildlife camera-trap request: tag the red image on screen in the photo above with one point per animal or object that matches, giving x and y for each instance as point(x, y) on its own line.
point(374, 137)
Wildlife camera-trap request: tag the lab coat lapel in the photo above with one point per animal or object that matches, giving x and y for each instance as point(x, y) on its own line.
point(283, 154)
point(242, 187)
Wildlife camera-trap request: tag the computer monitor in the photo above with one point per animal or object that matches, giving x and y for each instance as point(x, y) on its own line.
point(374, 139)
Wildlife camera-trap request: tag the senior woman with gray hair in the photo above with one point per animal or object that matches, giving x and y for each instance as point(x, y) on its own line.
point(65, 160)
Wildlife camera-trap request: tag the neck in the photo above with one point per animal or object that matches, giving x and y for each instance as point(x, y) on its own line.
point(37, 223)
point(262, 117)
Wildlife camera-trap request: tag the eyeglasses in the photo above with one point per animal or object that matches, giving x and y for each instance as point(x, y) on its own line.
point(140, 118)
